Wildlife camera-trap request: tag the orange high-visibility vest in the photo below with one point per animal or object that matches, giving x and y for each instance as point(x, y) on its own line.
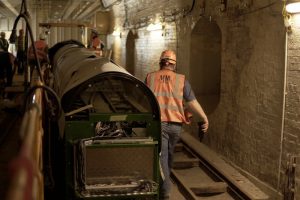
point(96, 45)
point(40, 46)
point(167, 86)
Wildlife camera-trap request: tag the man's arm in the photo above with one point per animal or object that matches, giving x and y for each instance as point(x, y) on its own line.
point(196, 108)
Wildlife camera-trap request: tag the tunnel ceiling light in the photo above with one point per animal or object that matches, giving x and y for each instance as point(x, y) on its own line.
point(154, 27)
point(293, 6)
point(116, 33)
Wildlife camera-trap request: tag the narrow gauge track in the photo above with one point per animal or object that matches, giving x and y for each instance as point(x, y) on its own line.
point(197, 178)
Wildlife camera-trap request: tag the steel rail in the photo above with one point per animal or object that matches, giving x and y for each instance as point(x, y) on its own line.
point(233, 190)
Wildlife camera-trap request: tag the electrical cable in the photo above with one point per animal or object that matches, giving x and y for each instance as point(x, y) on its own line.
point(260, 8)
point(23, 14)
point(48, 89)
point(13, 38)
point(191, 9)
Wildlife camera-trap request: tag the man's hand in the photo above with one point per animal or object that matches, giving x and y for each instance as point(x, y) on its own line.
point(204, 126)
point(196, 108)
point(202, 129)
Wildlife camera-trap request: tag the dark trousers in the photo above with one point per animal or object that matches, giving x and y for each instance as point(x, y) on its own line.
point(6, 68)
point(21, 61)
point(170, 137)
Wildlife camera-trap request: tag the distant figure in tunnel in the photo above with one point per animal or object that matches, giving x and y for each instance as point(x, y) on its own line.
point(20, 46)
point(41, 50)
point(3, 42)
point(7, 61)
point(172, 90)
point(95, 43)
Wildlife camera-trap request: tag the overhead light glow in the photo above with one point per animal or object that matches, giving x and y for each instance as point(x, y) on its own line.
point(116, 33)
point(154, 27)
point(293, 7)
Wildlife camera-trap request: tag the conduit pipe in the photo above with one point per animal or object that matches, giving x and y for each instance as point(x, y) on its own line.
point(283, 112)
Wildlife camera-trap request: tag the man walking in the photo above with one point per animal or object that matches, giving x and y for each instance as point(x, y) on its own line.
point(171, 90)
point(20, 46)
point(41, 50)
point(3, 42)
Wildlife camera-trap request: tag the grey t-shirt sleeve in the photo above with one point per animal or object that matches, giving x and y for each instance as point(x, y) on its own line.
point(188, 93)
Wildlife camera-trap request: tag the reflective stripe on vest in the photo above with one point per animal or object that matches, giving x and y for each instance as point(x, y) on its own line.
point(167, 86)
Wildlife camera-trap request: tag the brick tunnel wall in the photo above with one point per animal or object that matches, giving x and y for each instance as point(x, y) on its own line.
point(246, 126)
point(292, 109)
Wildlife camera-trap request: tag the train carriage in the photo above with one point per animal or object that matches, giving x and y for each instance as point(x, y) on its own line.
point(109, 129)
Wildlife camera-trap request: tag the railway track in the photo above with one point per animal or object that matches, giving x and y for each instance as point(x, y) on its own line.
point(194, 180)
point(201, 174)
